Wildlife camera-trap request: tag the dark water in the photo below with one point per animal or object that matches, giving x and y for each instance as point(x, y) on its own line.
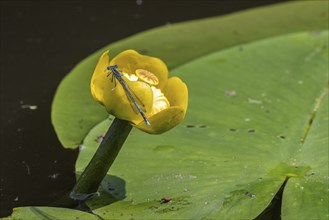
point(41, 41)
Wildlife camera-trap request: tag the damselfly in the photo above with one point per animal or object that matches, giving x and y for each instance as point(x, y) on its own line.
point(117, 75)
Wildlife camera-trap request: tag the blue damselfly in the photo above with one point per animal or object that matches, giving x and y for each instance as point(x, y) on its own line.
point(117, 75)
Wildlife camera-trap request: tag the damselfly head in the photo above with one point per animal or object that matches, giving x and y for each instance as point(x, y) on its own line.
point(114, 67)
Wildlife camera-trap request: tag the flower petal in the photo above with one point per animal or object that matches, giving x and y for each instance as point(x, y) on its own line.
point(118, 103)
point(163, 121)
point(130, 60)
point(100, 75)
point(176, 92)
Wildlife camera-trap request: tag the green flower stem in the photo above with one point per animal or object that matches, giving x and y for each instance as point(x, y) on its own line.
point(102, 160)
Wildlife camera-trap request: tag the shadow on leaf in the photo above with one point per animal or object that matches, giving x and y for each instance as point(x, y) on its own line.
point(112, 189)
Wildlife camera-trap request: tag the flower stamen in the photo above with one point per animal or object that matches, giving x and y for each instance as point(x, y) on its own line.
point(147, 77)
point(160, 102)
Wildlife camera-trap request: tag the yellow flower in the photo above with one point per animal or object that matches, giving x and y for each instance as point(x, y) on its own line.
point(163, 101)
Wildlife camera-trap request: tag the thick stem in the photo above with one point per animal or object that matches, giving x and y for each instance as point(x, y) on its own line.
point(102, 160)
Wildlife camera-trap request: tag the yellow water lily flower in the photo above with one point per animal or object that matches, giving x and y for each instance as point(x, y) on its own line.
point(163, 101)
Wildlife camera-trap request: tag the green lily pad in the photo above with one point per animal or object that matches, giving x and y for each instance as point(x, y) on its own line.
point(74, 112)
point(49, 213)
point(257, 118)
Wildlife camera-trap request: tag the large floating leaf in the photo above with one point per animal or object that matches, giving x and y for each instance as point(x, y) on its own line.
point(311, 192)
point(74, 112)
point(257, 117)
point(49, 213)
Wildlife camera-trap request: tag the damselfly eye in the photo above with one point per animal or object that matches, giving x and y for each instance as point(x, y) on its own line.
point(147, 77)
